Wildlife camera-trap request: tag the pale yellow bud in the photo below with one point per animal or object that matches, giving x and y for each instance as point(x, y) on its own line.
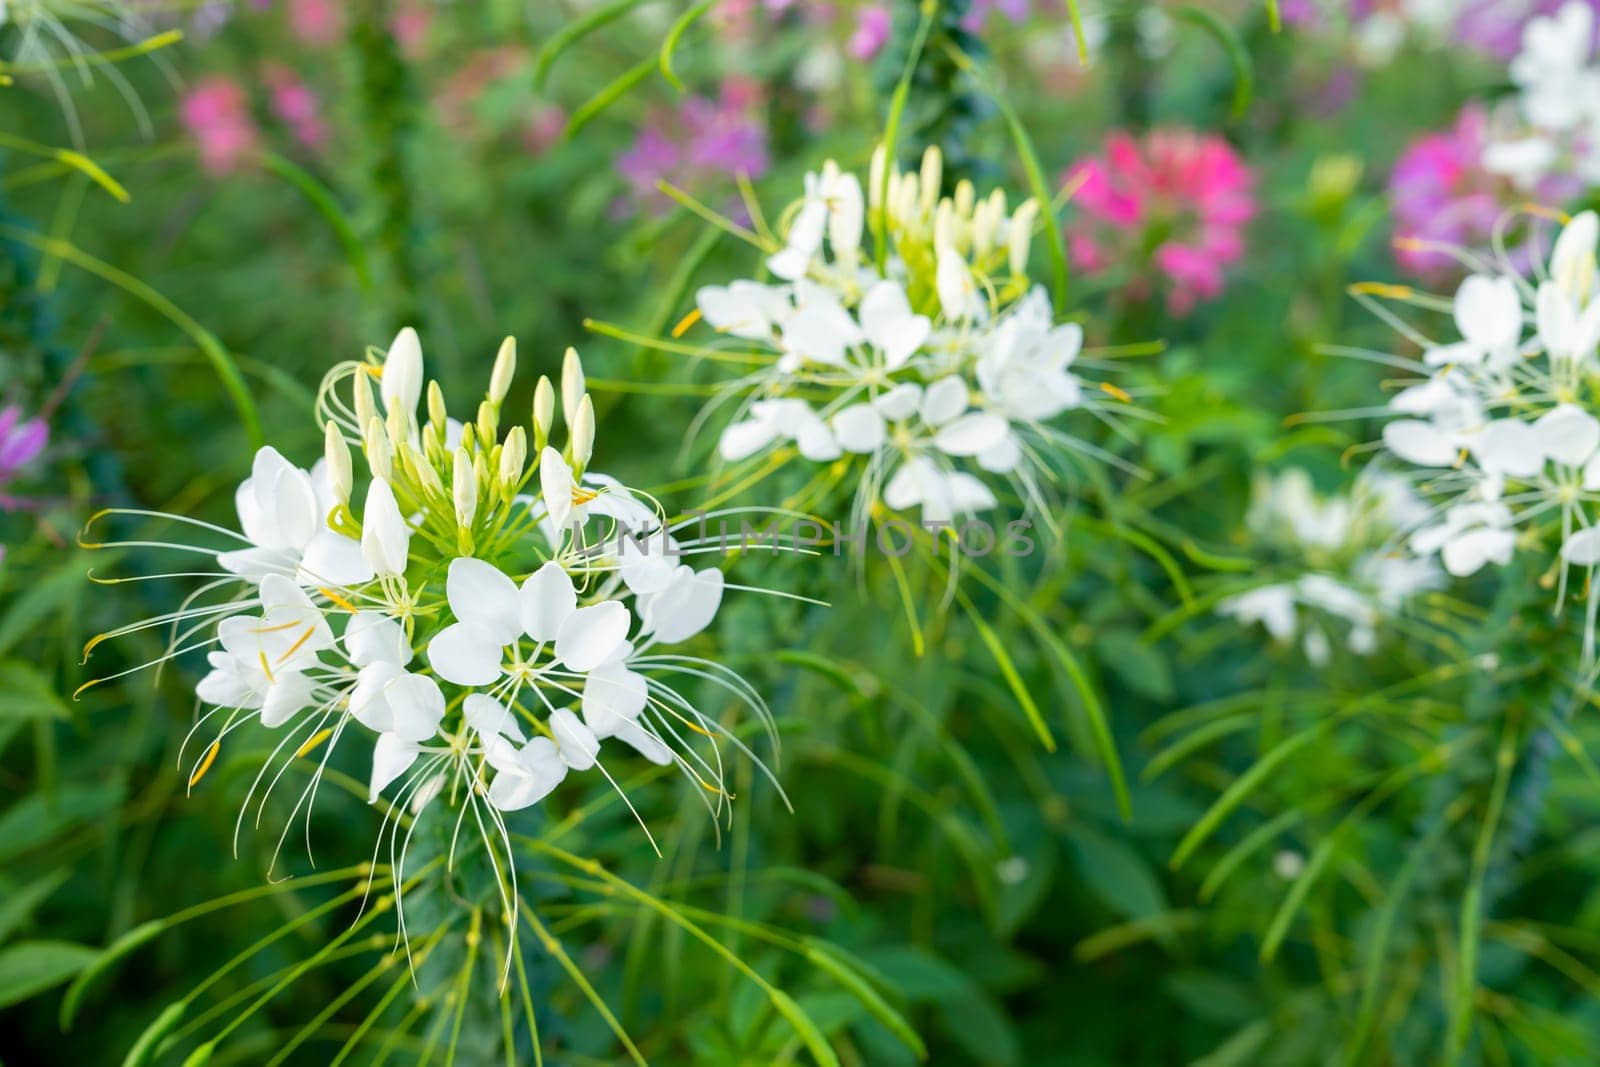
point(583, 434)
point(932, 178)
point(488, 422)
point(1021, 236)
point(875, 176)
point(398, 424)
point(338, 456)
point(380, 456)
point(361, 391)
point(513, 454)
point(544, 411)
point(572, 385)
point(437, 415)
point(464, 489)
point(966, 196)
point(505, 367)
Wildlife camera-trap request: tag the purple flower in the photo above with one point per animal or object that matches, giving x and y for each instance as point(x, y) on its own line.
point(872, 32)
point(21, 441)
point(700, 144)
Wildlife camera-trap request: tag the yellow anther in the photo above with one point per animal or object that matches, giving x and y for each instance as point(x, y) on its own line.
point(266, 668)
point(336, 598)
point(1393, 292)
point(205, 763)
point(1120, 394)
point(580, 495)
point(296, 646)
point(312, 742)
point(684, 323)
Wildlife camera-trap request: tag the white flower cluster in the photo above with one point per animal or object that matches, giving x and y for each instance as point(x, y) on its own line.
point(1556, 129)
point(940, 358)
point(492, 615)
point(1347, 545)
point(1503, 428)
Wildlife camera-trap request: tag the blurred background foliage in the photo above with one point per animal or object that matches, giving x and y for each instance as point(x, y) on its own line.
point(304, 178)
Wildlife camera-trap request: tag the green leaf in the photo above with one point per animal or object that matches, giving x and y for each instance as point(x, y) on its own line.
point(1116, 874)
point(37, 818)
point(17, 904)
point(27, 694)
point(31, 967)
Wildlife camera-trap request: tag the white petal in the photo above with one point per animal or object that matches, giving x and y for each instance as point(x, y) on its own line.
point(418, 706)
point(742, 439)
point(971, 434)
point(1419, 442)
point(401, 383)
point(898, 403)
point(1557, 320)
point(645, 743)
point(612, 696)
point(465, 654)
point(944, 400)
point(887, 322)
point(1568, 434)
point(555, 484)
point(488, 716)
point(1583, 547)
point(815, 441)
point(575, 741)
point(590, 635)
point(480, 594)
point(821, 333)
point(548, 600)
point(685, 607)
point(373, 637)
point(859, 428)
point(1003, 456)
point(334, 559)
point(1510, 447)
point(385, 537)
point(1488, 312)
point(1467, 553)
point(391, 757)
point(369, 700)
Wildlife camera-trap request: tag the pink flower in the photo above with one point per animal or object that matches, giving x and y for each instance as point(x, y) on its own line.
point(21, 441)
point(1170, 206)
point(543, 128)
point(217, 113)
point(410, 26)
point(1443, 195)
point(872, 32)
point(296, 106)
point(316, 22)
point(702, 143)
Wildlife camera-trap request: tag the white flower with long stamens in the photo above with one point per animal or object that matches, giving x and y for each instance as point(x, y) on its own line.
point(1503, 430)
point(397, 625)
point(931, 371)
point(1351, 571)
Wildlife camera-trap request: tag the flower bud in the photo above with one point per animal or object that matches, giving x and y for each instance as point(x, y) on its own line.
point(583, 434)
point(875, 175)
point(505, 366)
point(380, 456)
point(544, 410)
point(513, 455)
point(338, 457)
point(361, 393)
point(966, 196)
point(401, 383)
point(398, 424)
point(437, 415)
point(572, 385)
point(464, 489)
point(1021, 236)
point(488, 422)
point(931, 179)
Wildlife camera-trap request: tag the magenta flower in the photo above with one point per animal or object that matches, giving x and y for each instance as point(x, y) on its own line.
point(316, 22)
point(1444, 196)
point(702, 143)
point(21, 441)
point(217, 114)
point(296, 106)
point(871, 33)
point(1171, 206)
